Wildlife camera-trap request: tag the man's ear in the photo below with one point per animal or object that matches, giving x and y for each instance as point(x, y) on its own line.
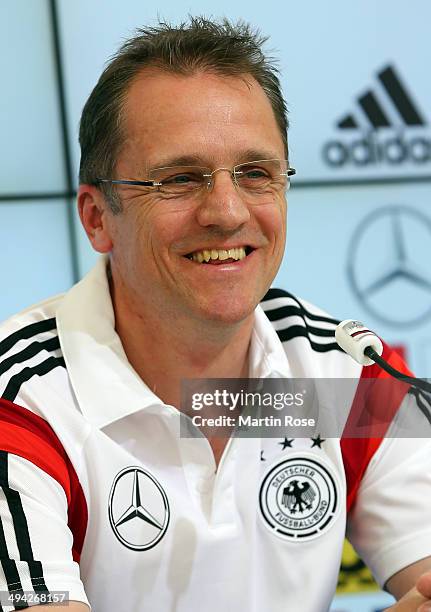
point(94, 217)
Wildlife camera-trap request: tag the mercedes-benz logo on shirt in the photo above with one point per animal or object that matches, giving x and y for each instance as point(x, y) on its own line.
point(138, 509)
point(388, 265)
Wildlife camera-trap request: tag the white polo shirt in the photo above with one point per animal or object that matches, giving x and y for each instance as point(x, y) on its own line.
point(101, 496)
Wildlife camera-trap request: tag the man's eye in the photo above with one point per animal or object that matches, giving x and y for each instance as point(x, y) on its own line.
point(255, 173)
point(182, 179)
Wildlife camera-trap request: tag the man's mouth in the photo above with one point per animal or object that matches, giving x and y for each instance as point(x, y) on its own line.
point(219, 256)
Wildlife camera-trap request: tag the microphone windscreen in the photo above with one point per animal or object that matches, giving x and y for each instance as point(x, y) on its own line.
point(354, 338)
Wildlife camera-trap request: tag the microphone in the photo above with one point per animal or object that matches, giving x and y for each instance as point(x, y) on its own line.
point(366, 348)
point(354, 338)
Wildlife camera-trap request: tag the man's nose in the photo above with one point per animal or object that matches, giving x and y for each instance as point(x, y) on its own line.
point(222, 204)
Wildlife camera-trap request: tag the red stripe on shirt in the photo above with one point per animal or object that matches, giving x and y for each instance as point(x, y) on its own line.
point(374, 406)
point(27, 435)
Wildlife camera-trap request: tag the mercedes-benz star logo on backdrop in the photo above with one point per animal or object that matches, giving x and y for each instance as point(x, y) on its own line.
point(138, 509)
point(388, 265)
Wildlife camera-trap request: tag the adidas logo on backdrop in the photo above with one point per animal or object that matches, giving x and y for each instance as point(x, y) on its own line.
point(378, 132)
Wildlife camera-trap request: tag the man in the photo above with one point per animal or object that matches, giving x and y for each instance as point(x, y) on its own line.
point(192, 229)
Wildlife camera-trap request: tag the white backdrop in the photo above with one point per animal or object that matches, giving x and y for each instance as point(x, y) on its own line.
point(359, 241)
point(330, 56)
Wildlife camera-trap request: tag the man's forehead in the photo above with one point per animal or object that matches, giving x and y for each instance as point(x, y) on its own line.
point(205, 115)
point(159, 92)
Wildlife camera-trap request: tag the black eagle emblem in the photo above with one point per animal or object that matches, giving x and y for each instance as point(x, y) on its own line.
point(298, 497)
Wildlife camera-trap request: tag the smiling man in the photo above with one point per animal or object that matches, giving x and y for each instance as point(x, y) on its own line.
point(183, 181)
point(191, 259)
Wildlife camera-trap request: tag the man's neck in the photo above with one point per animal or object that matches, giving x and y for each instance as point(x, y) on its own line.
point(164, 353)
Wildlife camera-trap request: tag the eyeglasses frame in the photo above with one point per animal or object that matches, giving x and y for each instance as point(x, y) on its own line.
point(148, 183)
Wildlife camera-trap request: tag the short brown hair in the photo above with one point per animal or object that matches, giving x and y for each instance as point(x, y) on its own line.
point(201, 44)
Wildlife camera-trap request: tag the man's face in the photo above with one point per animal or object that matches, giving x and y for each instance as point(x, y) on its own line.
point(207, 120)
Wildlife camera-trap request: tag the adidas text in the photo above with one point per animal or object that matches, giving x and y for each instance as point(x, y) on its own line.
point(372, 149)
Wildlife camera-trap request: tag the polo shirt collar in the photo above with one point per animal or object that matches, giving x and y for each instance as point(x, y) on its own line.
point(267, 356)
point(106, 386)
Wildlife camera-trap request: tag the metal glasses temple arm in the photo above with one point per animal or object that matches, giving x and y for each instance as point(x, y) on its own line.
point(126, 182)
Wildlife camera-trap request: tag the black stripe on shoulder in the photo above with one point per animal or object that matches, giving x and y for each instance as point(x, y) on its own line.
point(296, 331)
point(304, 331)
point(273, 292)
point(27, 332)
point(291, 311)
point(30, 351)
point(14, 385)
point(287, 311)
point(20, 525)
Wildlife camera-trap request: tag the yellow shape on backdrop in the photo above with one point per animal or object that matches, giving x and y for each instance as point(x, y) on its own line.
point(354, 574)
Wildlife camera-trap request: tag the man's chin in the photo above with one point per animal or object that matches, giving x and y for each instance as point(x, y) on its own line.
point(227, 313)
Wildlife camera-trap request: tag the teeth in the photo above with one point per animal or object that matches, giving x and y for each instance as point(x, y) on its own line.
point(222, 254)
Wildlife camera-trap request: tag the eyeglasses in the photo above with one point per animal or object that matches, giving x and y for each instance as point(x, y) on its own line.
point(255, 178)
